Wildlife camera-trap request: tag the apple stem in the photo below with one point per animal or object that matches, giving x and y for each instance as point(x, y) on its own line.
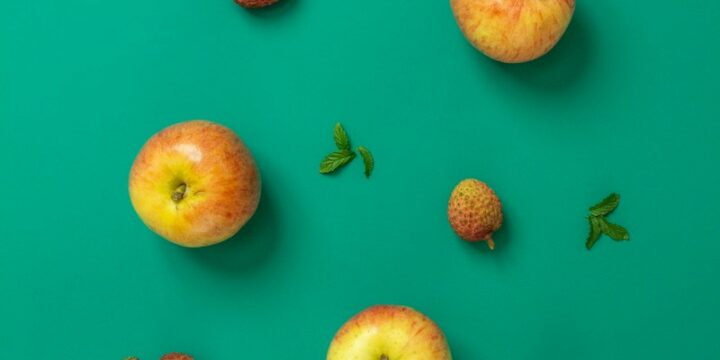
point(490, 242)
point(384, 357)
point(179, 193)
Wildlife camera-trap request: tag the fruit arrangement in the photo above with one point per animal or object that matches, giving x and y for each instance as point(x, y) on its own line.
point(196, 183)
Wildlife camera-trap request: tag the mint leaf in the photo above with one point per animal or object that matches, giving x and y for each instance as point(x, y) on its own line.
point(341, 139)
point(335, 160)
point(367, 159)
point(595, 232)
point(606, 206)
point(615, 231)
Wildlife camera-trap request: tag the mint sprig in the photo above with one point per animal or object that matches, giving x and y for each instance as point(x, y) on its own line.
point(344, 154)
point(600, 225)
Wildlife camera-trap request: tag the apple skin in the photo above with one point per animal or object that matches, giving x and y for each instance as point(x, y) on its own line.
point(195, 183)
point(389, 332)
point(513, 31)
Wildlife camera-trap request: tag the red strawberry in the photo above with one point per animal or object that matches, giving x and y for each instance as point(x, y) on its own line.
point(474, 211)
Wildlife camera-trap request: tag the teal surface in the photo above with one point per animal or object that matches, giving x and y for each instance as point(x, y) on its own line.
point(627, 102)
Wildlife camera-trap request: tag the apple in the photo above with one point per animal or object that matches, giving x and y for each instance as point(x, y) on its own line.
point(513, 31)
point(389, 332)
point(195, 183)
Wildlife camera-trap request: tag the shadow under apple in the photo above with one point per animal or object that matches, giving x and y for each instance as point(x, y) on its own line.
point(251, 247)
point(563, 67)
point(458, 352)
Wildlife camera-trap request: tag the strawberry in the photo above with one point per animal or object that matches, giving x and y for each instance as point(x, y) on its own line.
point(176, 356)
point(252, 4)
point(475, 211)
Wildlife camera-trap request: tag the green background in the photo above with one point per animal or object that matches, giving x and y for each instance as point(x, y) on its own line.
point(627, 102)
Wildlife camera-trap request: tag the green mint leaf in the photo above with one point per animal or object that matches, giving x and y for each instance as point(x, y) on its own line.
point(341, 139)
point(595, 232)
point(615, 231)
point(335, 160)
point(367, 159)
point(606, 206)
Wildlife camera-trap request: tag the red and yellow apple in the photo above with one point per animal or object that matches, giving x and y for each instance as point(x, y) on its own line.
point(513, 31)
point(195, 183)
point(389, 332)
